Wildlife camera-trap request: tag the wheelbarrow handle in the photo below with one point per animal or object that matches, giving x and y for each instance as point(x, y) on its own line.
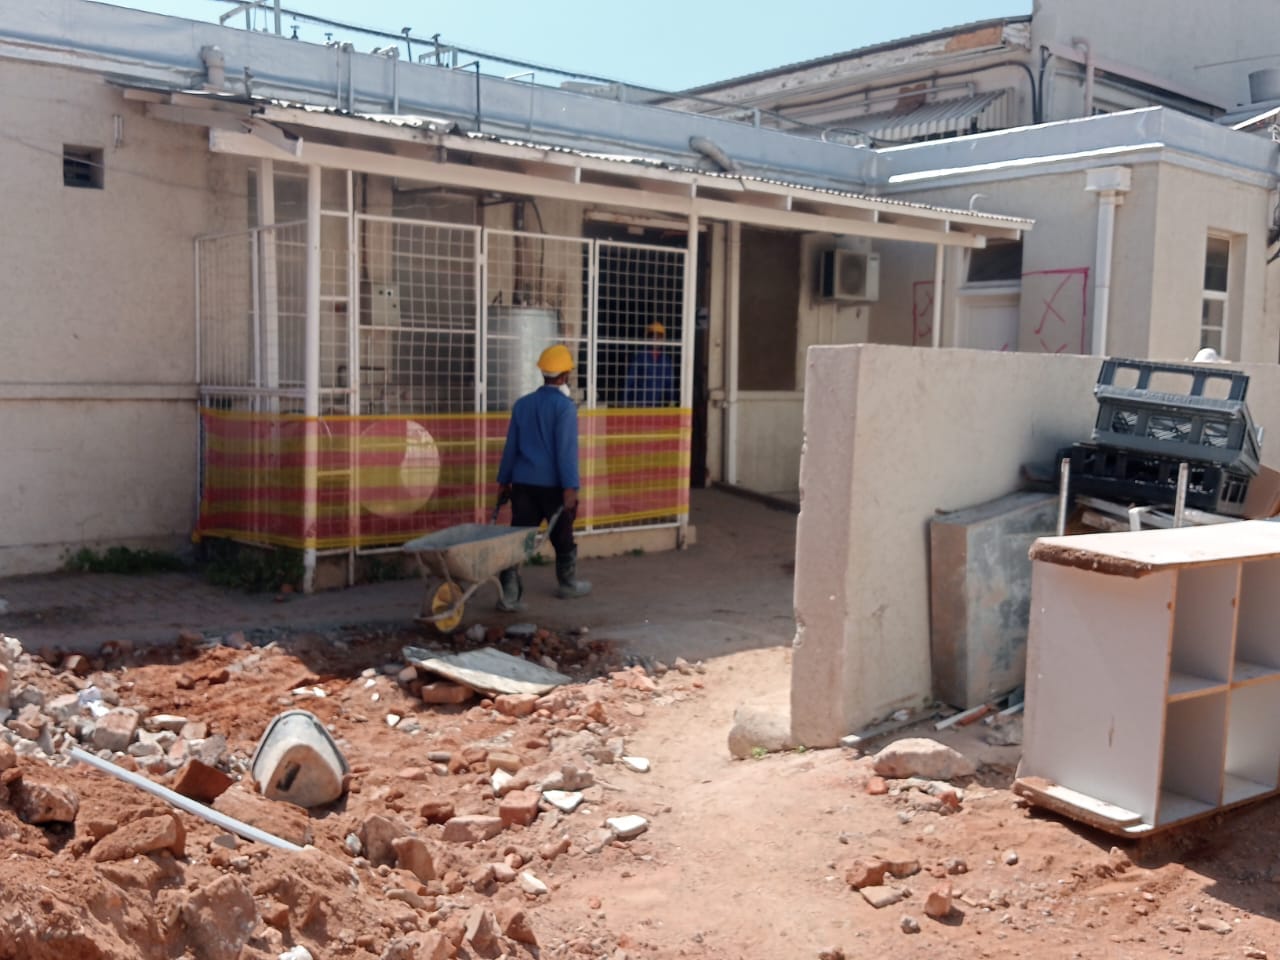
point(503, 499)
point(551, 525)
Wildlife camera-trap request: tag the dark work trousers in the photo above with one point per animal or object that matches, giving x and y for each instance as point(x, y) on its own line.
point(531, 505)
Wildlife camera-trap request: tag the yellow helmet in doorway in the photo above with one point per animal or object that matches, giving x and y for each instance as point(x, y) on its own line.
point(555, 360)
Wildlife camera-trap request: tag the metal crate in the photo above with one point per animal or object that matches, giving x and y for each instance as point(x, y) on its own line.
point(1129, 476)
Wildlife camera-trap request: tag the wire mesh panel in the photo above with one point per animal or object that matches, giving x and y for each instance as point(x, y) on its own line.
point(226, 285)
point(419, 316)
point(537, 293)
point(639, 455)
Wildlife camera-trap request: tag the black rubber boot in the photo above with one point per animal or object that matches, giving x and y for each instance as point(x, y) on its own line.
point(511, 592)
point(566, 574)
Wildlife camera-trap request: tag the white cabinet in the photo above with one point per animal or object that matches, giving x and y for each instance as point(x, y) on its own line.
point(1153, 674)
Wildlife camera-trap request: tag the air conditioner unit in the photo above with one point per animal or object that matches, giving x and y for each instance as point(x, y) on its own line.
point(849, 275)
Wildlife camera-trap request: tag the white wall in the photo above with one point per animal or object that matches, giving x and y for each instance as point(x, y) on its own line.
point(97, 372)
point(892, 435)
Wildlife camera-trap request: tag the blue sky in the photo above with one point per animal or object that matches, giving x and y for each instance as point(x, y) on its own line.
point(663, 43)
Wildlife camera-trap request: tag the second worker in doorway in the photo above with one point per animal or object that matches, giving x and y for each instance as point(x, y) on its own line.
point(539, 473)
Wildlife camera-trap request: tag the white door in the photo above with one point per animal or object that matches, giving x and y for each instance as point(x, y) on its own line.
point(988, 322)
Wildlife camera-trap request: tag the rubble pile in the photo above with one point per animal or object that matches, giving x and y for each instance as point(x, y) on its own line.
point(462, 810)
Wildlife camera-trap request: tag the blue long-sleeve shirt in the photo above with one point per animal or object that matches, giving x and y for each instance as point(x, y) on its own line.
point(651, 380)
point(542, 441)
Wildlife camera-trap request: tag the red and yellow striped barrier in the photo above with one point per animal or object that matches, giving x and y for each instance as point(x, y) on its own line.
point(381, 481)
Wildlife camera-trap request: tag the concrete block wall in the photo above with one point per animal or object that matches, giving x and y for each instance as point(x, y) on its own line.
point(892, 435)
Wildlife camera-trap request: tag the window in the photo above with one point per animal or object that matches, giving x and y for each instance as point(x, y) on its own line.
point(1000, 261)
point(1213, 300)
point(82, 167)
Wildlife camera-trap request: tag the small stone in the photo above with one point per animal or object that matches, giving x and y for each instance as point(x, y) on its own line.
point(515, 923)
point(519, 807)
point(64, 707)
point(116, 730)
point(556, 848)
point(866, 873)
point(1010, 857)
point(352, 845)
point(531, 884)
point(1255, 953)
point(194, 730)
point(443, 692)
point(378, 835)
point(503, 872)
point(41, 803)
point(909, 924)
point(412, 773)
point(1215, 925)
point(938, 903)
point(877, 787)
point(880, 896)
point(437, 811)
point(142, 836)
point(472, 828)
point(392, 719)
point(501, 782)
point(516, 704)
point(199, 781)
point(759, 728)
point(955, 866)
point(638, 764)
point(628, 827)
point(522, 631)
point(407, 676)
point(503, 760)
point(564, 800)
point(412, 854)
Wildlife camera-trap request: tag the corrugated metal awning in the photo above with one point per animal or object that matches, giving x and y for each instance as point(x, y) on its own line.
point(957, 116)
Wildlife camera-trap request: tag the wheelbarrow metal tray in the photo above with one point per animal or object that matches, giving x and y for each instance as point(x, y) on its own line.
point(474, 551)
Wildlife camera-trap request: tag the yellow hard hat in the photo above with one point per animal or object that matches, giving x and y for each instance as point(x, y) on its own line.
point(555, 360)
point(657, 329)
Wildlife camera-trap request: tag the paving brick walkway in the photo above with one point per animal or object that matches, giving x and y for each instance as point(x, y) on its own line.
point(732, 590)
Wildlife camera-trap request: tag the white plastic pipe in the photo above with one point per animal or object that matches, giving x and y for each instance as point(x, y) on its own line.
point(1107, 202)
point(939, 258)
point(731, 350)
point(186, 804)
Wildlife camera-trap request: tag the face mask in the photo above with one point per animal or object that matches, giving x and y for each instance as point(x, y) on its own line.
point(564, 388)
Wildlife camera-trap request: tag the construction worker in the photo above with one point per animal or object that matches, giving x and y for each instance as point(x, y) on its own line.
point(651, 375)
point(539, 473)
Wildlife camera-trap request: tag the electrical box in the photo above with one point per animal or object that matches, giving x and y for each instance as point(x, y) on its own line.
point(848, 275)
point(385, 306)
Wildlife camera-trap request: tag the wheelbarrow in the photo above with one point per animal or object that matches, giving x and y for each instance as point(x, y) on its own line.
point(457, 561)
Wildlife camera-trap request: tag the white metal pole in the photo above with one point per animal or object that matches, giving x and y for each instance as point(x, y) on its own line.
point(688, 340)
point(268, 363)
point(731, 350)
point(311, 379)
point(1102, 270)
point(939, 261)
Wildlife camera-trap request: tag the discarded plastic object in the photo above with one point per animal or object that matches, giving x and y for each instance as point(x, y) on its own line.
point(248, 831)
point(296, 760)
point(296, 953)
point(316, 692)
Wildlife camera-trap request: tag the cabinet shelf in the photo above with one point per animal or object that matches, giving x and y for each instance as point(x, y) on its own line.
point(1183, 686)
point(1238, 789)
point(1176, 806)
point(1246, 673)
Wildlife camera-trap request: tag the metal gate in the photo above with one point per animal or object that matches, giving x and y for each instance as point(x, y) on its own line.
point(429, 332)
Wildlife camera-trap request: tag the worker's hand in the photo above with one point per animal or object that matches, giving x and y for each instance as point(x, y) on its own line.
point(504, 492)
point(571, 500)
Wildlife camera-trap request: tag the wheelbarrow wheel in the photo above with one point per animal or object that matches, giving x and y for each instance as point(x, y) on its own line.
point(446, 597)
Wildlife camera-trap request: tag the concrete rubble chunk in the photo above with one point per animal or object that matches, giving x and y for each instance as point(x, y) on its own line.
point(40, 803)
point(116, 730)
point(472, 828)
point(501, 782)
point(1215, 925)
point(145, 835)
point(482, 930)
point(569, 778)
point(378, 835)
point(880, 897)
point(444, 692)
point(219, 919)
point(909, 924)
point(8, 756)
point(531, 885)
point(628, 827)
point(866, 873)
point(759, 728)
point(563, 800)
point(922, 757)
point(516, 704)
point(638, 764)
point(62, 708)
point(437, 810)
point(421, 945)
point(413, 854)
point(286, 820)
